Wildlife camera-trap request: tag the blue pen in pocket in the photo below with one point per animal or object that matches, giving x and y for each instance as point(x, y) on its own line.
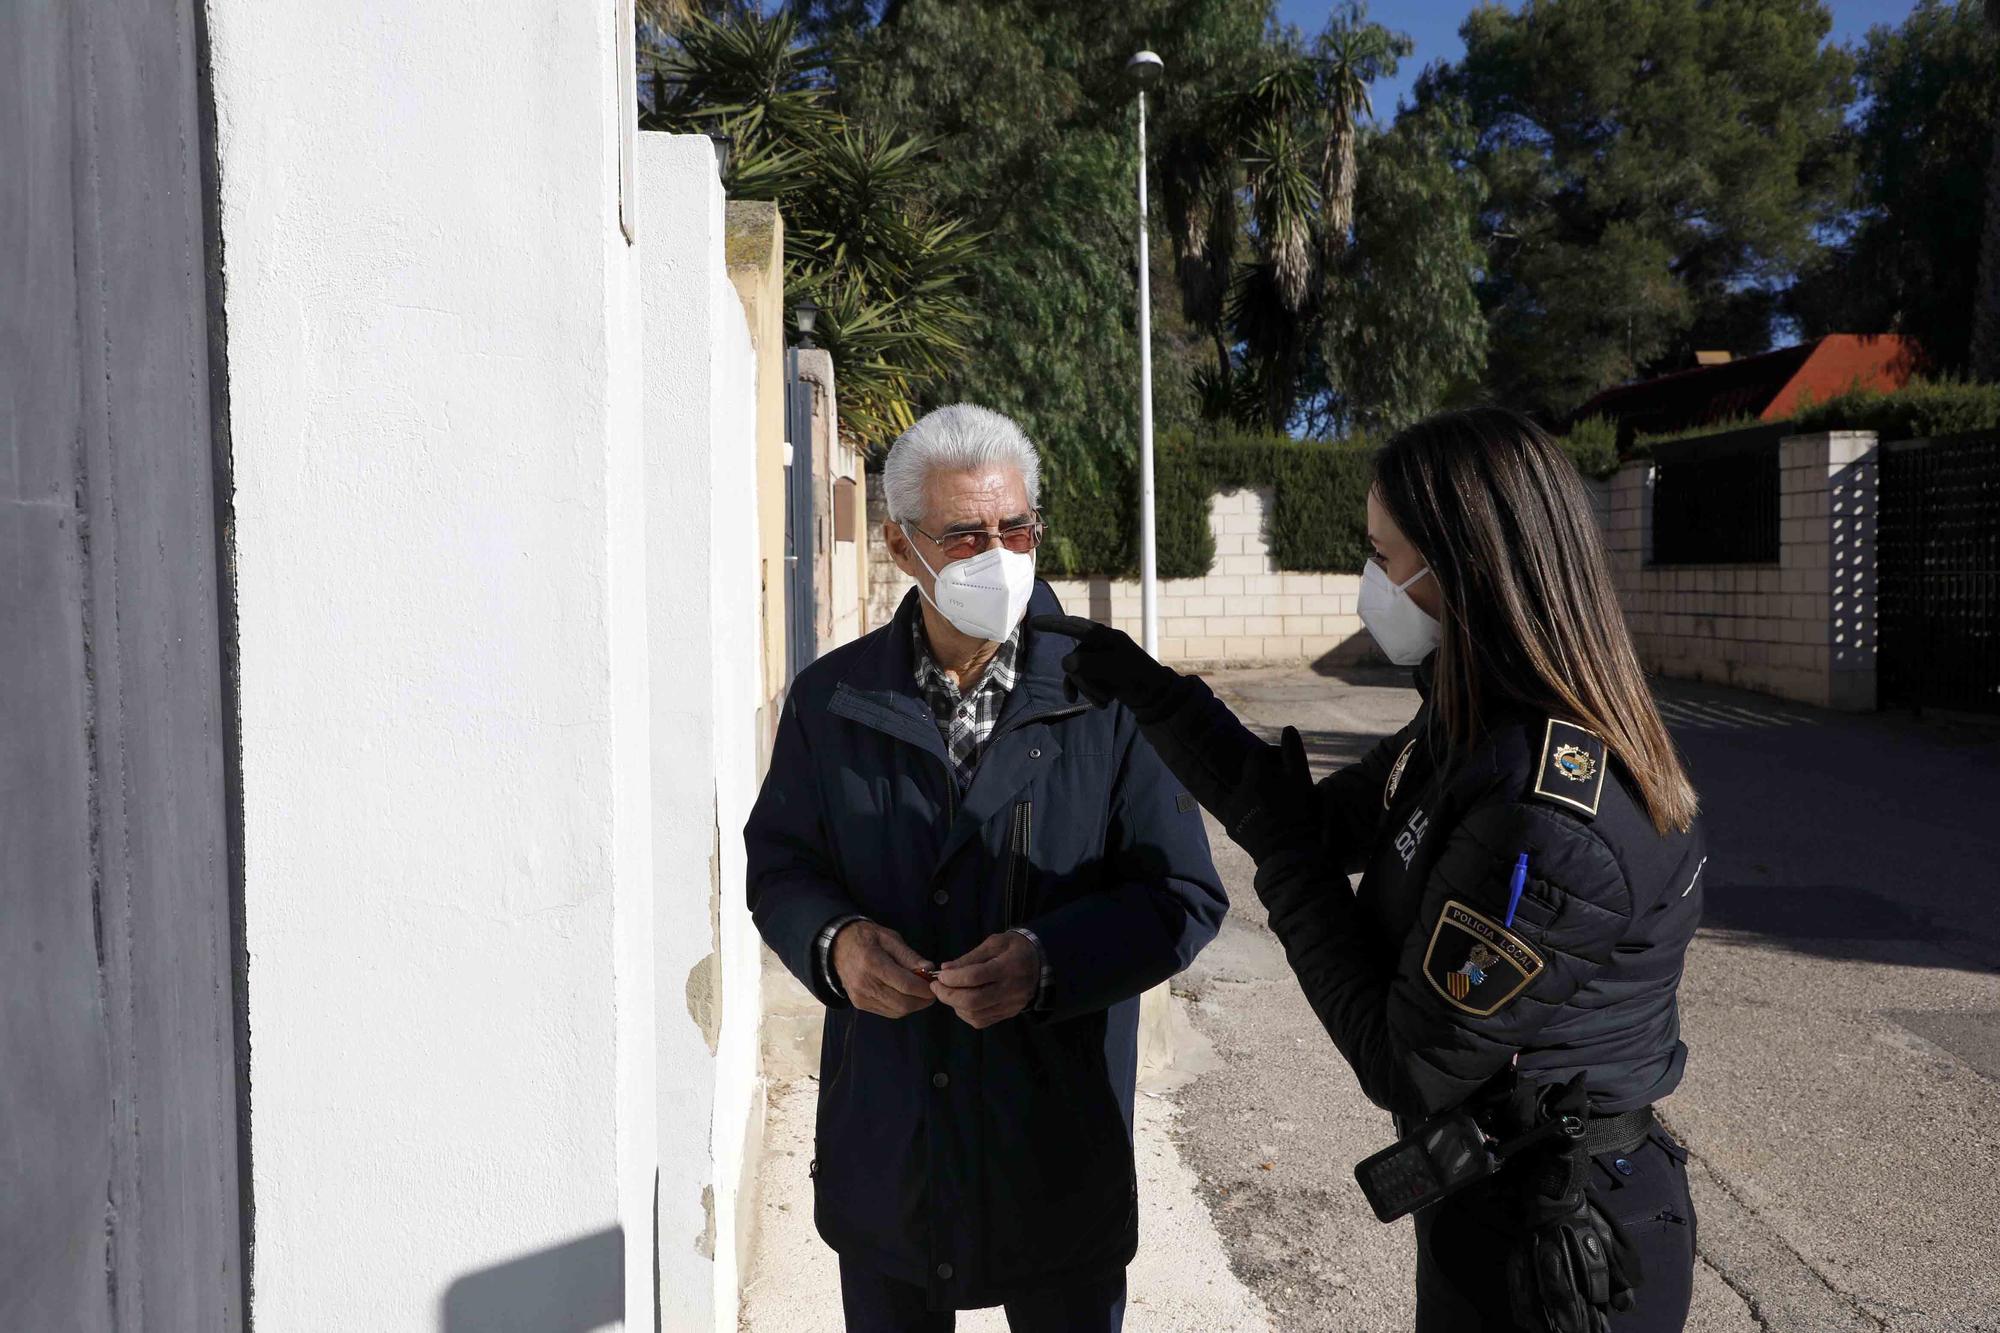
point(1514, 891)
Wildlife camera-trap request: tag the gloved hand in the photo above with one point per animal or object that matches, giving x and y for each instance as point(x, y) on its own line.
point(1275, 802)
point(1574, 1264)
point(1107, 665)
point(1569, 1274)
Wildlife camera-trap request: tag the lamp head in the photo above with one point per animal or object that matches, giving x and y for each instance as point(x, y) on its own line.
point(1145, 69)
point(807, 315)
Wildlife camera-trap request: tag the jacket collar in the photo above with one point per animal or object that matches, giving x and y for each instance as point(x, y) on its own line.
point(880, 691)
point(1423, 673)
point(880, 687)
point(889, 666)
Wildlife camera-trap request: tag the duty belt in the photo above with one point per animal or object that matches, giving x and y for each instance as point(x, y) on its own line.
point(1453, 1150)
point(1617, 1133)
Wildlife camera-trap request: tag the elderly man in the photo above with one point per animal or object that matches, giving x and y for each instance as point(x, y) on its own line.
point(977, 876)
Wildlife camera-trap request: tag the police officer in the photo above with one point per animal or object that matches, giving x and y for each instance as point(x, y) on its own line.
point(1531, 878)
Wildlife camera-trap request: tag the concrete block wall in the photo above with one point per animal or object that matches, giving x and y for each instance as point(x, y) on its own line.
point(886, 583)
point(1801, 628)
point(1245, 611)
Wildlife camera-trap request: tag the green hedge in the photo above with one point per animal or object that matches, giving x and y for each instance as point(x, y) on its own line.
point(1919, 410)
point(1318, 519)
point(1592, 444)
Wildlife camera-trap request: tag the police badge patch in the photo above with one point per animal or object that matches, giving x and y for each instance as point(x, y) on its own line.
point(1571, 771)
point(1475, 963)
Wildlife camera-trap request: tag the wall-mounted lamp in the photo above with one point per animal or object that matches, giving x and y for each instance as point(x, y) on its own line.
point(807, 315)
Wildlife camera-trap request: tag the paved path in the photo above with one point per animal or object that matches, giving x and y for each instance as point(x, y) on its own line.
point(1842, 1007)
point(1180, 1283)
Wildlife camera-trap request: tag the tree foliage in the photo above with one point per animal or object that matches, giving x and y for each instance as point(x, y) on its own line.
point(1403, 335)
point(1267, 194)
point(1924, 142)
point(1655, 171)
point(864, 237)
point(1033, 117)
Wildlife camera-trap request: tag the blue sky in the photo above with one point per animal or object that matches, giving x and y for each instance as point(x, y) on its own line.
point(1433, 25)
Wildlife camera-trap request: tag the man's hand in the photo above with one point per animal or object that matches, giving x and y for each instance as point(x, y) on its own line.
point(1108, 665)
point(879, 971)
point(994, 982)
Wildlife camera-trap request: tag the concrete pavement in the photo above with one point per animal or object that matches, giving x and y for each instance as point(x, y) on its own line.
point(1180, 1283)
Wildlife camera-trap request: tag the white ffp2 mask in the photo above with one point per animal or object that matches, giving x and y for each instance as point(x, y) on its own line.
point(983, 596)
point(1404, 631)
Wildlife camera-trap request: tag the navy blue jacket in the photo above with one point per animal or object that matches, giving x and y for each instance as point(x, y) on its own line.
point(978, 1163)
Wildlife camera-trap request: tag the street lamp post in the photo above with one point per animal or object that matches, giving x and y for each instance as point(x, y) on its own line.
point(1145, 69)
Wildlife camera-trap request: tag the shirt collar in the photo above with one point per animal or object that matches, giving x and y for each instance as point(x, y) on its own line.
point(1002, 671)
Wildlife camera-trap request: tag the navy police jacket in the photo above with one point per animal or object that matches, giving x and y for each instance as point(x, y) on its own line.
point(978, 1163)
point(1431, 977)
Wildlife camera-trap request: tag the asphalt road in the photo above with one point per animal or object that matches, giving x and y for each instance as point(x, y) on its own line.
point(1842, 1010)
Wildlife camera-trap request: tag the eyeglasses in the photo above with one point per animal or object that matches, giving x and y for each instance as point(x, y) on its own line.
point(1019, 538)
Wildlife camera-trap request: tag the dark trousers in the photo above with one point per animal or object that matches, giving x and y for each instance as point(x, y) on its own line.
point(878, 1304)
point(1463, 1242)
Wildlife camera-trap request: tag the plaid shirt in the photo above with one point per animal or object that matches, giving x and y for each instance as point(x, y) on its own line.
point(966, 722)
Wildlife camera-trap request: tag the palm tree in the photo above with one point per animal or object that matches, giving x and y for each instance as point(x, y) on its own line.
point(666, 15)
point(1986, 295)
point(887, 270)
point(1282, 151)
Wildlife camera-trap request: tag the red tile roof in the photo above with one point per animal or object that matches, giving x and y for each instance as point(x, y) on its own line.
point(1769, 387)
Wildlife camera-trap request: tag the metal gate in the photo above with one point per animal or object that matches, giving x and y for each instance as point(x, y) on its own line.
point(1938, 577)
point(801, 614)
point(124, 1194)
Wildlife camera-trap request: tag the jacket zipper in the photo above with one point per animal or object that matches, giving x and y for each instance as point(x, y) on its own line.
point(1017, 863)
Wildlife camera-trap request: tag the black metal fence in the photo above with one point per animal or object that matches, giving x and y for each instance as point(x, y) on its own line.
point(1938, 573)
point(1715, 499)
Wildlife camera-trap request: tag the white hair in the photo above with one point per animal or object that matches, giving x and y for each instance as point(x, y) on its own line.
point(959, 438)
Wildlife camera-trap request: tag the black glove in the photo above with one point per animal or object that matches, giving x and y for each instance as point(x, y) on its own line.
point(1275, 803)
point(1107, 665)
point(1574, 1264)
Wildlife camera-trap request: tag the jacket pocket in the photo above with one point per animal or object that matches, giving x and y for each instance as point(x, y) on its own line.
point(1020, 843)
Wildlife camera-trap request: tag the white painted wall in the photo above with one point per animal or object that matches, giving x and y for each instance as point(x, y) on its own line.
point(440, 552)
point(700, 423)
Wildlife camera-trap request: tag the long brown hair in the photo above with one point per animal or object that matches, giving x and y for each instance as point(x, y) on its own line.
point(1531, 616)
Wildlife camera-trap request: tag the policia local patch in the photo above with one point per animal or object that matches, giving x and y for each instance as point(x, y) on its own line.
point(1475, 963)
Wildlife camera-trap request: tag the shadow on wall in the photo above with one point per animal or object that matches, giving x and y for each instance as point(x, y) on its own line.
point(572, 1288)
point(1357, 650)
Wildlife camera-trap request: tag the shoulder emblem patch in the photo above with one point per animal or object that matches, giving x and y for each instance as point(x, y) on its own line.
point(1570, 771)
point(1396, 774)
point(1476, 964)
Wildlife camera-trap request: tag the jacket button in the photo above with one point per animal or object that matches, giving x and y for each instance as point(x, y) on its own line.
point(939, 1081)
point(941, 897)
point(944, 1272)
